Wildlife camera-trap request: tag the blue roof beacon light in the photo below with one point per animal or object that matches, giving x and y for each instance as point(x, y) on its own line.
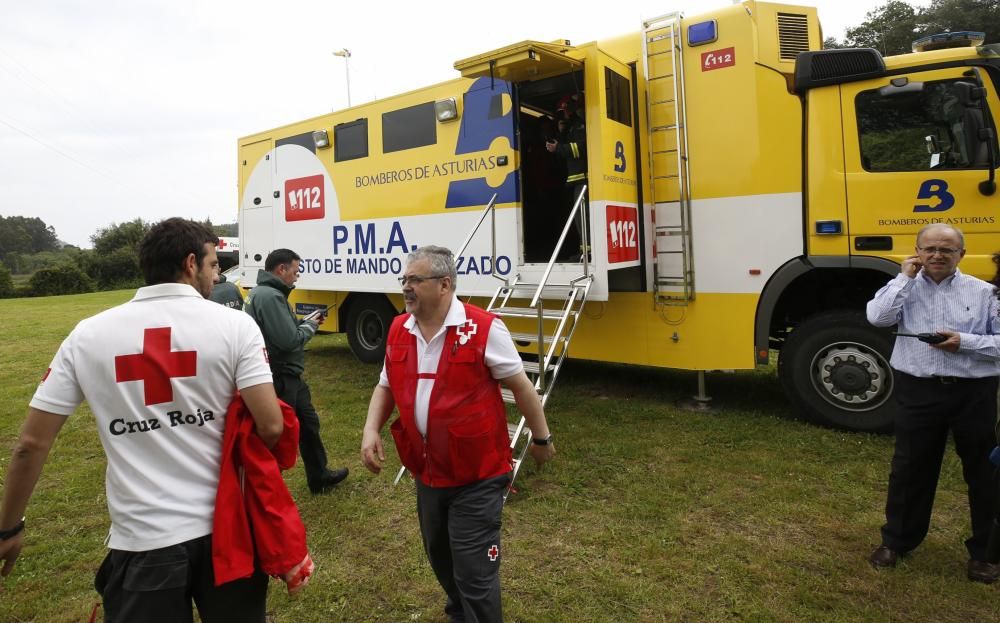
point(961, 39)
point(703, 32)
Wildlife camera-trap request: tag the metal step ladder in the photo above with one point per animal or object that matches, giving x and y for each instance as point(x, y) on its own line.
point(663, 63)
point(553, 330)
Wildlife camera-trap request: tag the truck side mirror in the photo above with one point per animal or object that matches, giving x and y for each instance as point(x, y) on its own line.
point(934, 149)
point(932, 144)
point(979, 135)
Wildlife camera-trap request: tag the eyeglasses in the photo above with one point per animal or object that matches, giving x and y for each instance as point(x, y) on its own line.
point(945, 251)
point(416, 280)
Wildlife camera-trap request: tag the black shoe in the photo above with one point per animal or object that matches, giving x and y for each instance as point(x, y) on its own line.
point(330, 479)
point(454, 611)
point(883, 557)
point(980, 571)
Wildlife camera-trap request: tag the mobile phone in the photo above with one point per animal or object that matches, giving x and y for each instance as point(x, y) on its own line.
point(930, 338)
point(316, 314)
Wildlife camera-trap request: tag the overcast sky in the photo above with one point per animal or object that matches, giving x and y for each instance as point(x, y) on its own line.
point(117, 109)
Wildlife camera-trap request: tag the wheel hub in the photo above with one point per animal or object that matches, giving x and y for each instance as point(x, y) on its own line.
point(370, 329)
point(852, 376)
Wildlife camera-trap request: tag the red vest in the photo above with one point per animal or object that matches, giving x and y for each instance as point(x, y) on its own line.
point(467, 439)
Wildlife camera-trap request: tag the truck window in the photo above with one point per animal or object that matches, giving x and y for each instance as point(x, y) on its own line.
point(410, 127)
point(350, 140)
point(302, 140)
point(934, 128)
point(618, 97)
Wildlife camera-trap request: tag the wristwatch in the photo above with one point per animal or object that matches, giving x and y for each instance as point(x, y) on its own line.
point(542, 442)
point(6, 534)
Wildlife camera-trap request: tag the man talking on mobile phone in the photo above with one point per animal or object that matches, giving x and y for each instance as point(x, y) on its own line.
point(950, 385)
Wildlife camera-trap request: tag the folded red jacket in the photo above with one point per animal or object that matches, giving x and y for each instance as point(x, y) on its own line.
point(255, 515)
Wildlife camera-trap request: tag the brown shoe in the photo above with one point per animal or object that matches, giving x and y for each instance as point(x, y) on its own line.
point(984, 572)
point(884, 557)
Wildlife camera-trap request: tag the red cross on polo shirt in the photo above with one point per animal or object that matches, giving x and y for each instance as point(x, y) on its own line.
point(156, 365)
point(493, 552)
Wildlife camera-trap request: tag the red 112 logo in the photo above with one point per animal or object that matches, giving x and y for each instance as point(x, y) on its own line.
point(717, 59)
point(623, 230)
point(304, 198)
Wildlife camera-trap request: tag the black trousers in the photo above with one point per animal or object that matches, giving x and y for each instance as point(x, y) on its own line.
point(158, 586)
point(928, 409)
point(461, 531)
point(293, 390)
point(572, 192)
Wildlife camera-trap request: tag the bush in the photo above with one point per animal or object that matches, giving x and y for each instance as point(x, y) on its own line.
point(6, 283)
point(117, 236)
point(62, 279)
point(114, 270)
point(12, 260)
point(29, 263)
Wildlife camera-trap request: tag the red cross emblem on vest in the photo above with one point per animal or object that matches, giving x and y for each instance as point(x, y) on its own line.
point(466, 331)
point(222, 244)
point(493, 552)
point(156, 365)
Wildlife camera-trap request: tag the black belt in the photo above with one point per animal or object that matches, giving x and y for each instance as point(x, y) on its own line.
point(944, 380)
point(949, 380)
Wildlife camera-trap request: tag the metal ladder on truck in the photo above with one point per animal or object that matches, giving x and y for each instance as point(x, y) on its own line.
point(663, 62)
point(555, 324)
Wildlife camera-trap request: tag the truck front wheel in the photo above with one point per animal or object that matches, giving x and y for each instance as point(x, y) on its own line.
point(834, 367)
point(368, 320)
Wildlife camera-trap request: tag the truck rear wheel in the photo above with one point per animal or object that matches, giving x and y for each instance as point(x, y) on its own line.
point(368, 320)
point(834, 367)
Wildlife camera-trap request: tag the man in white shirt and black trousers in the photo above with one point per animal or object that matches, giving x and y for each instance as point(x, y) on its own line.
point(950, 385)
point(158, 373)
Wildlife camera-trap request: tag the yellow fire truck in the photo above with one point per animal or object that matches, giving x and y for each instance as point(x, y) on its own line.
point(746, 191)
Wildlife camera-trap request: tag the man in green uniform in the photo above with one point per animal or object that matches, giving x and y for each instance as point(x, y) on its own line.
point(285, 336)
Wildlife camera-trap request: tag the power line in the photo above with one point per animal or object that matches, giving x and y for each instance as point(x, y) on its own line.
point(104, 174)
point(57, 150)
point(80, 118)
point(54, 94)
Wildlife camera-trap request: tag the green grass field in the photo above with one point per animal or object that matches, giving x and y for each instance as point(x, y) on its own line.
point(648, 513)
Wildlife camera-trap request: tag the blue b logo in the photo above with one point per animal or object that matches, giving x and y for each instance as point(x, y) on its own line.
point(936, 189)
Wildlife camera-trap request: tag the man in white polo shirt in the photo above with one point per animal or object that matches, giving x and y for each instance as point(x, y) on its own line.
point(443, 366)
point(158, 373)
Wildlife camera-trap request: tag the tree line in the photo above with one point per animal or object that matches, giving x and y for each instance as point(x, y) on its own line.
point(31, 252)
point(893, 27)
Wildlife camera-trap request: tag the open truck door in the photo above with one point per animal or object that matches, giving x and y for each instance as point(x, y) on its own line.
point(616, 214)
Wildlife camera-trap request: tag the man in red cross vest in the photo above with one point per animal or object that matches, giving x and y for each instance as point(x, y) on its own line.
point(444, 364)
point(158, 374)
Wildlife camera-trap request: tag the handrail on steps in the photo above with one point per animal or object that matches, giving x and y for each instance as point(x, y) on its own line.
point(491, 210)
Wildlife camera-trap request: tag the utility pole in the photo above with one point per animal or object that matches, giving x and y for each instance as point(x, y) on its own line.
point(346, 55)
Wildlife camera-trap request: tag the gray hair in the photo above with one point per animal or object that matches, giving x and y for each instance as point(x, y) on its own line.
point(441, 259)
point(925, 228)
